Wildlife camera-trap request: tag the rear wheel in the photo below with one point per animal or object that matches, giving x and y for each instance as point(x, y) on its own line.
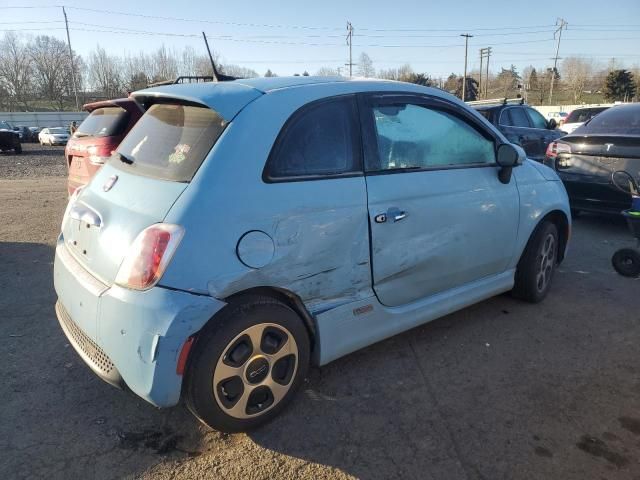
point(626, 262)
point(537, 265)
point(247, 364)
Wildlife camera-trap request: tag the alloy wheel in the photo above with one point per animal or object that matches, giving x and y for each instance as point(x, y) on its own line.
point(546, 262)
point(255, 371)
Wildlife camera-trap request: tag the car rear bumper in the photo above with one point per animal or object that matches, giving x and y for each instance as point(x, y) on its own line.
point(128, 337)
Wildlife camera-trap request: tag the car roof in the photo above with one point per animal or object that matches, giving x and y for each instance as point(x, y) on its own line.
point(228, 98)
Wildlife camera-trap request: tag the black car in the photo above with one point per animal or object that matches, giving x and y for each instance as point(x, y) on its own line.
point(9, 139)
point(586, 159)
point(521, 124)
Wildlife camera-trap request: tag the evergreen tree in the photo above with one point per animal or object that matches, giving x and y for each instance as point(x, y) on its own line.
point(619, 86)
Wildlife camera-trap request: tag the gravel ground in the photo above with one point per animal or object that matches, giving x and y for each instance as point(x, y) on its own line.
point(501, 390)
point(34, 161)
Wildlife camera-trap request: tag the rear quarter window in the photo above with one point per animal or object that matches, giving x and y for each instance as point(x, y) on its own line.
point(319, 140)
point(170, 141)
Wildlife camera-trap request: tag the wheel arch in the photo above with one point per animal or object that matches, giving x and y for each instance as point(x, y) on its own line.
point(290, 299)
point(561, 221)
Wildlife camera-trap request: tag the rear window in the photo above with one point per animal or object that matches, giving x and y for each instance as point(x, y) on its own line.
point(58, 131)
point(621, 120)
point(583, 114)
point(169, 142)
point(104, 122)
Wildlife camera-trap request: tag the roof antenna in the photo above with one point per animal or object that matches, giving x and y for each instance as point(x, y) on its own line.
point(217, 76)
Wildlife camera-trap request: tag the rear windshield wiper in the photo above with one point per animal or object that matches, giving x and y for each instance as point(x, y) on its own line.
point(123, 158)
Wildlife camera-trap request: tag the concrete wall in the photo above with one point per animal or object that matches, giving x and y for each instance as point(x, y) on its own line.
point(43, 119)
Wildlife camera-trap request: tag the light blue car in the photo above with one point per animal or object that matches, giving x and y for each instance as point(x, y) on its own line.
point(245, 230)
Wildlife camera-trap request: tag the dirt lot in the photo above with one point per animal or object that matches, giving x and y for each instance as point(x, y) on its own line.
point(501, 390)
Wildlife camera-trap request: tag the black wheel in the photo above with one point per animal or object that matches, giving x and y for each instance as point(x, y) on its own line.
point(626, 262)
point(247, 364)
point(18, 148)
point(537, 264)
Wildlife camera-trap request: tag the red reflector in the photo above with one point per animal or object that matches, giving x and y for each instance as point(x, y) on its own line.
point(184, 355)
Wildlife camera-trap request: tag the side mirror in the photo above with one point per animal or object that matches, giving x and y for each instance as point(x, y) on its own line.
point(509, 156)
point(552, 124)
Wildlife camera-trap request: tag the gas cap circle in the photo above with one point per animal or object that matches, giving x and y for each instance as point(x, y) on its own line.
point(255, 249)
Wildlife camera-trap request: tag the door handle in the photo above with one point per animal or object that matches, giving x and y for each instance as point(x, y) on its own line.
point(395, 214)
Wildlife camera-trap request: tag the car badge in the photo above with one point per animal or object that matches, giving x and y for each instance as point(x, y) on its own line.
point(108, 185)
point(608, 145)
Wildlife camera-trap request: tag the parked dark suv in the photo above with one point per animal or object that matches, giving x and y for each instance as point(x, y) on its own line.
point(521, 124)
point(9, 139)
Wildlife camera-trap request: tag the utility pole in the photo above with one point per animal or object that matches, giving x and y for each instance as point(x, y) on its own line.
point(480, 82)
point(464, 78)
point(350, 43)
point(486, 81)
point(562, 25)
point(73, 70)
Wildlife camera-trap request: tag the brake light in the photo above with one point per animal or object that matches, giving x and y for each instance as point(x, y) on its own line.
point(149, 256)
point(556, 148)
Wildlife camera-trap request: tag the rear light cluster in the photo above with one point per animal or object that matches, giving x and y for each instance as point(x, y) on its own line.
point(95, 158)
point(556, 148)
point(149, 256)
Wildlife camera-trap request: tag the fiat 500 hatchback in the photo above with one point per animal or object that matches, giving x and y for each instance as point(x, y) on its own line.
point(245, 230)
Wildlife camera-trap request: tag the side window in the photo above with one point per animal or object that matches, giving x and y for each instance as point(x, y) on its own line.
point(537, 120)
point(318, 140)
point(505, 118)
point(519, 117)
point(414, 136)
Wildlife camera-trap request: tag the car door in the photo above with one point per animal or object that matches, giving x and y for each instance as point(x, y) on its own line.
point(515, 123)
point(543, 135)
point(439, 216)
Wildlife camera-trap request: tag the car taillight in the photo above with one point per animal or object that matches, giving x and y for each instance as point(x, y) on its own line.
point(149, 256)
point(556, 148)
point(98, 160)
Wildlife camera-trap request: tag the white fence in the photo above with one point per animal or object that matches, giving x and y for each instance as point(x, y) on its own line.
point(43, 119)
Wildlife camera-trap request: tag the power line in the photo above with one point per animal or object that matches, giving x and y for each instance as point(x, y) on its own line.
point(562, 25)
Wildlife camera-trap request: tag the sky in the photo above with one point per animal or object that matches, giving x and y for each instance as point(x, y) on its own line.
point(293, 36)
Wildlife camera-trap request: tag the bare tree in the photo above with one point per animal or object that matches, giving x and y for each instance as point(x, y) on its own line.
point(576, 73)
point(165, 64)
point(404, 73)
point(365, 66)
point(51, 67)
point(327, 72)
point(105, 73)
point(238, 71)
point(16, 68)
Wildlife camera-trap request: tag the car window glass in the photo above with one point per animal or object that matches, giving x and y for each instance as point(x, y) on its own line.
point(621, 119)
point(103, 122)
point(518, 117)
point(319, 140)
point(537, 120)
point(505, 118)
point(170, 142)
point(413, 136)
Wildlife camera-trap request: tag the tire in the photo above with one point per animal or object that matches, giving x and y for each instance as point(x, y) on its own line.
point(537, 265)
point(626, 262)
point(18, 148)
point(239, 394)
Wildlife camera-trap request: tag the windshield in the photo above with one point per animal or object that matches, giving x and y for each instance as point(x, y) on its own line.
point(583, 114)
point(170, 142)
point(5, 126)
point(617, 120)
point(104, 122)
point(57, 131)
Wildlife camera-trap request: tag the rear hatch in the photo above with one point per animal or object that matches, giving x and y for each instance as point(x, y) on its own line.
point(139, 183)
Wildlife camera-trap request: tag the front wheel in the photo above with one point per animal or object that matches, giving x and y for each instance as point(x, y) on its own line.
point(537, 265)
point(247, 364)
point(626, 262)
